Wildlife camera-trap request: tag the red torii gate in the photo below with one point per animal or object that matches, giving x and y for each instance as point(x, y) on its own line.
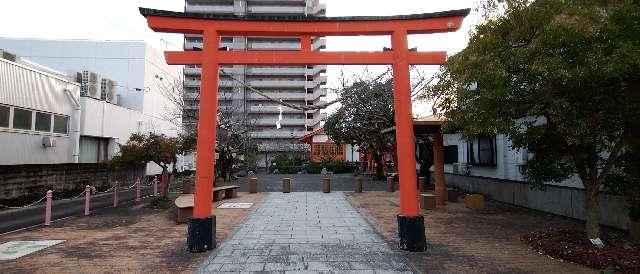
point(201, 231)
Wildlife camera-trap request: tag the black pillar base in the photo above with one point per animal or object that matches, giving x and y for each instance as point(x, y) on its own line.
point(411, 233)
point(201, 234)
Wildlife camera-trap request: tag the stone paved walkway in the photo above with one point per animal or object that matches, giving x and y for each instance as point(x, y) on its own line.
point(306, 232)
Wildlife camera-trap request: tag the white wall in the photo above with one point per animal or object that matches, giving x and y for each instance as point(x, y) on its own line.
point(27, 88)
point(101, 119)
point(132, 64)
point(506, 167)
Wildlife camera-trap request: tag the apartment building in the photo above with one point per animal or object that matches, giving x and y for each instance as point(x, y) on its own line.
point(300, 85)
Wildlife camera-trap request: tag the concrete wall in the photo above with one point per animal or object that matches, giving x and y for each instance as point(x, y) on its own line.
point(27, 180)
point(565, 201)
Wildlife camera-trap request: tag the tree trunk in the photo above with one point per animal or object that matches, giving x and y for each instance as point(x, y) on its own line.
point(378, 160)
point(592, 209)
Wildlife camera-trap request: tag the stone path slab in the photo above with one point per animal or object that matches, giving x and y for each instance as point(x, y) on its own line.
point(306, 232)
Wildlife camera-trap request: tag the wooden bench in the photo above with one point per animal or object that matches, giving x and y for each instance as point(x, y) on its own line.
point(229, 192)
point(184, 203)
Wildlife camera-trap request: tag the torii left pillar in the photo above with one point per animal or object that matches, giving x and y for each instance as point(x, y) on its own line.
point(410, 222)
point(202, 226)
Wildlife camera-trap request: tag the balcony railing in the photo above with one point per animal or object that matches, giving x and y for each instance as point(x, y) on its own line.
point(276, 9)
point(284, 122)
point(276, 134)
point(209, 8)
point(272, 109)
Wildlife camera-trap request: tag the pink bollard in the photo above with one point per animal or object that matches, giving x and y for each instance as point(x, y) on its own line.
point(138, 189)
point(115, 194)
point(155, 185)
point(47, 211)
point(87, 199)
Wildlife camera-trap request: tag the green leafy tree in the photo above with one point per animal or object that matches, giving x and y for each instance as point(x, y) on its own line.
point(560, 79)
point(366, 110)
point(150, 147)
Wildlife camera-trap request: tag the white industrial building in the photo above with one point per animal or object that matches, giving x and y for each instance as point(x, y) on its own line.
point(130, 99)
point(39, 116)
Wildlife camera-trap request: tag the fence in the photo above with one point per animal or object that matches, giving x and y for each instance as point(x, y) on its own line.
point(49, 207)
point(19, 182)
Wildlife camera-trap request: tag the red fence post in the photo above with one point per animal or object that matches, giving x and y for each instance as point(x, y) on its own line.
point(138, 189)
point(115, 194)
point(47, 210)
point(87, 199)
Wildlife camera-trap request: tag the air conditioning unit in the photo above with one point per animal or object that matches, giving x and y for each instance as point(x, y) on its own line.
point(521, 157)
point(48, 141)
point(89, 84)
point(108, 91)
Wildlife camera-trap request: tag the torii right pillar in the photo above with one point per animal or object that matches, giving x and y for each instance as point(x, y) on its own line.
point(410, 222)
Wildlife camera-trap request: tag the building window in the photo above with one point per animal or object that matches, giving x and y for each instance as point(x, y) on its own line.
point(450, 155)
point(309, 91)
point(4, 116)
point(60, 124)
point(482, 151)
point(43, 122)
point(22, 118)
point(309, 115)
point(309, 103)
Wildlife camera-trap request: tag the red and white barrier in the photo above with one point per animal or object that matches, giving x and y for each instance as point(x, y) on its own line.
point(155, 185)
point(138, 190)
point(115, 194)
point(47, 210)
point(87, 199)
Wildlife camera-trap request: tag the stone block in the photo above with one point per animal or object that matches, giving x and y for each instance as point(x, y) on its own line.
point(427, 201)
point(474, 201)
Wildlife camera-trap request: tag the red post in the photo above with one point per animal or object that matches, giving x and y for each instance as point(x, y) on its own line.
point(201, 235)
point(205, 162)
point(404, 126)
point(305, 43)
point(410, 222)
point(155, 185)
point(87, 199)
point(115, 194)
point(47, 210)
point(138, 190)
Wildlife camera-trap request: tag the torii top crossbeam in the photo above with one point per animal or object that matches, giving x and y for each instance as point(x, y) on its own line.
point(212, 27)
point(304, 27)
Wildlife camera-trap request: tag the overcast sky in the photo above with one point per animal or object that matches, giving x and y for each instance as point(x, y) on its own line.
point(120, 20)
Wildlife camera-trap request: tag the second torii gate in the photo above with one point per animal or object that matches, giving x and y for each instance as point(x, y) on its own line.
point(201, 231)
